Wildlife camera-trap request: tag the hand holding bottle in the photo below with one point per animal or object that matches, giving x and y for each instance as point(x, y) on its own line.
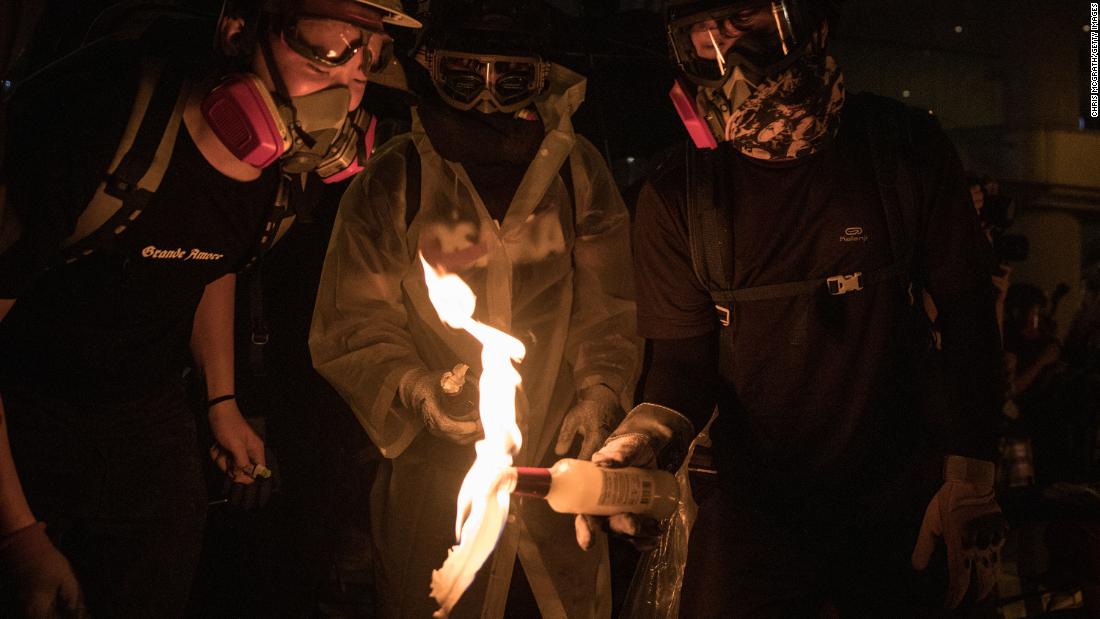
point(453, 416)
point(579, 487)
point(648, 431)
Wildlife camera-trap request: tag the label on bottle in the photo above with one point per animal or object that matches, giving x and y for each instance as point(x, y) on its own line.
point(625, 488)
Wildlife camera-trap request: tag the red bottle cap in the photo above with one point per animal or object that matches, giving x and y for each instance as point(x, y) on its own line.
point(532, 481)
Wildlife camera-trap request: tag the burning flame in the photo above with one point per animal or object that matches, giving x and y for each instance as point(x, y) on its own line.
point(484, 497)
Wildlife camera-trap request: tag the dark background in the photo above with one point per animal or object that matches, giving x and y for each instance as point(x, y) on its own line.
point(1007, 78)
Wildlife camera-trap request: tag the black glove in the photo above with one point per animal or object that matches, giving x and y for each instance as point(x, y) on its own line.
point(592, 417)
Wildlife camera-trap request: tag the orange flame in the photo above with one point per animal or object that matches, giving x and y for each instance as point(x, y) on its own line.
point(483, 499)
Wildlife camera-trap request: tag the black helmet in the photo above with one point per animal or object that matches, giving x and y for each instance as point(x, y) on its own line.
point(487, 54)
point(505, 27)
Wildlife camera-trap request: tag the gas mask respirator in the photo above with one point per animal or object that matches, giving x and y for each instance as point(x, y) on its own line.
point(309, 133)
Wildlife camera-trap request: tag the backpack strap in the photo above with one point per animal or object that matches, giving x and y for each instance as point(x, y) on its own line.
point(710, 224)
point(257, 322)
point(279, 221)
point(895, 181)
point(835, 285)
point(139, 163)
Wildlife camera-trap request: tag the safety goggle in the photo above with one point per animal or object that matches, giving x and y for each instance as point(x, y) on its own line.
point(506, 82)
point(706, 44)
point(332, 43)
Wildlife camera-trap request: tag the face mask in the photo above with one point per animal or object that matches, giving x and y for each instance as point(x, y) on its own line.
point(791, 115)
point(707, 115)
point(719, 104)
point(786, 115)
point(317, 120)
point(313, 132)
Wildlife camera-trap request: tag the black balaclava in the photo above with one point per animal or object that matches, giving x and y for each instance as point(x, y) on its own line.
point(494, 149)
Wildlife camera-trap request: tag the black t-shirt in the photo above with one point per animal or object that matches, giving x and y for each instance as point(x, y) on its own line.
point(115, 325)
point(819, 385)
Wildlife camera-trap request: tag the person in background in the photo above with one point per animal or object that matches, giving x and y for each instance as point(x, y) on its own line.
point(1030, 343)
point(1075, 543)
point(1002, 275)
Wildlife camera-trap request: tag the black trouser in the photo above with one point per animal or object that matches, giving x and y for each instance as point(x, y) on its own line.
point(120, 488)
point(756, 554)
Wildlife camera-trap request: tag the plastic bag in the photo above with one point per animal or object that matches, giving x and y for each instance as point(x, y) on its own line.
point(655, 589)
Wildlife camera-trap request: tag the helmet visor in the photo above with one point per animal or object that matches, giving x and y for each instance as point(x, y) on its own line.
point(708, 44)
point(507, 83)
point(332, 43)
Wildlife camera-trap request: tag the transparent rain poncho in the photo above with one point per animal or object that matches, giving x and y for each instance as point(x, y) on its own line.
point(659, 576)
point(555, 273)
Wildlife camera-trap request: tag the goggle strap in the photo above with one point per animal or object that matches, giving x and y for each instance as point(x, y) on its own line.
point(273, 69)
point(304, 135)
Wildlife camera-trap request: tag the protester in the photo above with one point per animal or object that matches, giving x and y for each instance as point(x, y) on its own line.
point(779, 273)
point(493, 184)
point(105, 289)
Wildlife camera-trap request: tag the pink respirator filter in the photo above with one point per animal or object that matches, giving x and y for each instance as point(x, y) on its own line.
point(689, 115)
point(243, 116)
point(356, 167)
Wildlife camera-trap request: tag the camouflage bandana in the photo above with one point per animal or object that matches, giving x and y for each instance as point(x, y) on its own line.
point(793, 114)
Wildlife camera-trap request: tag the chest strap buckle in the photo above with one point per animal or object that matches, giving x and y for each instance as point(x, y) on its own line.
point(723, 315)
point(843, 284)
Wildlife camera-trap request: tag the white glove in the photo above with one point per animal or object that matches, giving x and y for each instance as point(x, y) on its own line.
point(965, 514)
point(645, 432)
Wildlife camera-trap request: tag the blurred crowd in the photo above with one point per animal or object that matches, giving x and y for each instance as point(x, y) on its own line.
point(1049, 473)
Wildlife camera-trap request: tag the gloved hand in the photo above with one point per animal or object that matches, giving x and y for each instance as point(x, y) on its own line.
point(965, 513)
point(41, 578)
point(453, 417)
point(597, 411)
point(648, 431)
